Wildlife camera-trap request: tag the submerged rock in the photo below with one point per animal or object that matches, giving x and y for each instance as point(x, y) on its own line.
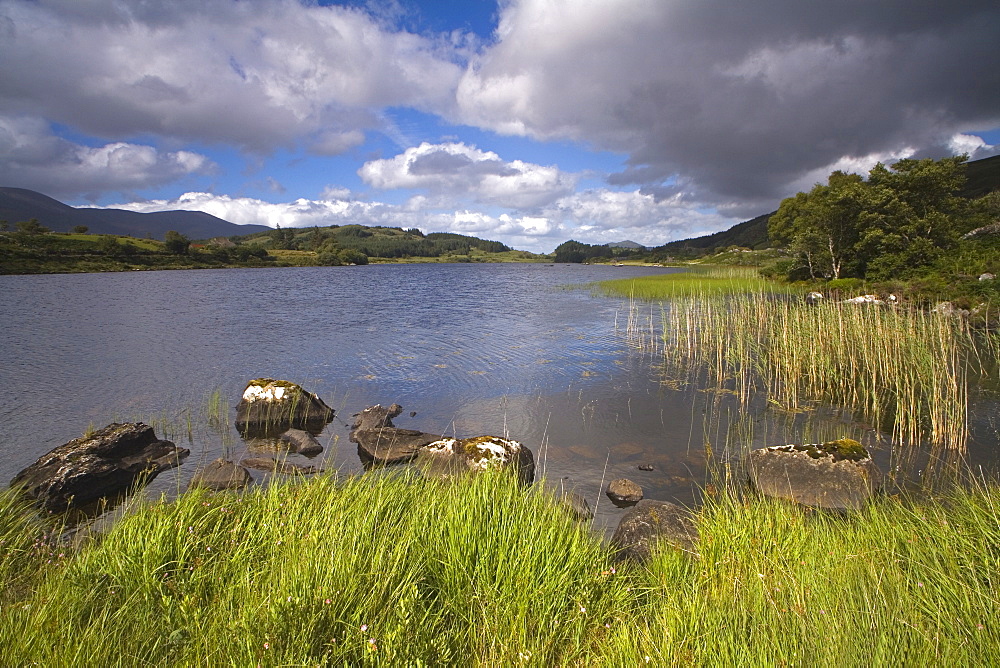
point(221, 474)
point(103, 465)
point(837, 474)
point(624, 492)
point(269, 407)
point(300, 442)
point(650, 523)
point(450, 456)
point(278, 466)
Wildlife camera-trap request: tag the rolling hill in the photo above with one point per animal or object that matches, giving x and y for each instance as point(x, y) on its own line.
point(17, 204)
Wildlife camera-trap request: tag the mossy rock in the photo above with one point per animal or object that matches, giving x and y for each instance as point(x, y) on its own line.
point(837, 474)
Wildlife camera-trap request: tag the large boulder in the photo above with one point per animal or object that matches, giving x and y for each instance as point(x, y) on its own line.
point(221, 474)
point(380, 442)
point(269, 407)
point(652, 522)
point(103, 465)
point(837, 474)
point(451, 456)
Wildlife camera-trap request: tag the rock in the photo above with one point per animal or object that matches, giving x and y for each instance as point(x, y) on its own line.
point(649, 523)
point(624, 492)
point(390, 445)
point(269, 407)
point(301, 442)
point(646, 467)
point(221, 474)
point(380, 442)
point(275, 466)
point(947, 308)
point(814, 298)
point(450, 456)
point(375, 417)
point(569, 499)
point(838, 474)
point(987, 276)
point(103, 465)
point(864, 299)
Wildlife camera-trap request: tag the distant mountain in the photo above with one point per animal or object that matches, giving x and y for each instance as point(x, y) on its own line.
point(626, 244)
point(17, 204)
point(982, 178)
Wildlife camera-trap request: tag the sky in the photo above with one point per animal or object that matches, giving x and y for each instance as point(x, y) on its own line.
point(529, 122)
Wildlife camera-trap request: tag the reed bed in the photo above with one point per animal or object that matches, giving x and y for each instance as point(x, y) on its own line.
point(904, 371)
point(396, 571)
point(695, 280)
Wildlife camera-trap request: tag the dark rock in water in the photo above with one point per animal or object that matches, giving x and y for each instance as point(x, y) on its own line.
point(569, 499)
point(375, 417)
point(380, 442)
point(452, 456)
point(275, 466)
point(221, 474)
point(624, 492)
point(301, 442)
point(646, 467)
point(269, 407)
point(650, 523)
point(103, 465)
point(838, 474)
point(390, 445)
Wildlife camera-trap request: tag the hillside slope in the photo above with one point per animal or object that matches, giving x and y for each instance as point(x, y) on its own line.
point(17, 204)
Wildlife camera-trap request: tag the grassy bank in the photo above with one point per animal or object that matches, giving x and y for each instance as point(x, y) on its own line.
point(396, 571)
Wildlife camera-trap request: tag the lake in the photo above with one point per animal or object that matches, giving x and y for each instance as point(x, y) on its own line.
point(518, 350)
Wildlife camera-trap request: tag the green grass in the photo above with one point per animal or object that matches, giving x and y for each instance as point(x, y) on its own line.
point(698, 280)
point(394, 570)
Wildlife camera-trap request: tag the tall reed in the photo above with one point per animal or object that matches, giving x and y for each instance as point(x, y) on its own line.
point(903, 370)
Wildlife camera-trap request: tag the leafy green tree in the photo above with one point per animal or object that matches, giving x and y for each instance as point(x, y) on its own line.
point(913, 214)
point(827, 216)
point(31, 227)
point(351, 256)
point(176, 243)
point(80, 229)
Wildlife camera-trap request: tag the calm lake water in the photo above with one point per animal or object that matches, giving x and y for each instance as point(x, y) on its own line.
point(472, 349)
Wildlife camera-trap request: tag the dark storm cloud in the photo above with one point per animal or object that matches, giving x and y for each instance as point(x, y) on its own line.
point(740, 99)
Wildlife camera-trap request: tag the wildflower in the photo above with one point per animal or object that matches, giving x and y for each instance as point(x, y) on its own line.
point(327, 601)
point(582, 609)
point(267, 645)
point(980, 627)
point(364, 627)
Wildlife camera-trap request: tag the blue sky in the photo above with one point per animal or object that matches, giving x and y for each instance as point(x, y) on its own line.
point(528, 121)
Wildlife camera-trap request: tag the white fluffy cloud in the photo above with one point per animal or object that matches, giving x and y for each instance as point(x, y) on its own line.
point(32, 157)
point(594, 216)
point(255, 73)
point(460, 170)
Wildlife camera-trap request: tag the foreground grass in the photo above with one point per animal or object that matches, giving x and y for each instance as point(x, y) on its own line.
point(396, 571)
